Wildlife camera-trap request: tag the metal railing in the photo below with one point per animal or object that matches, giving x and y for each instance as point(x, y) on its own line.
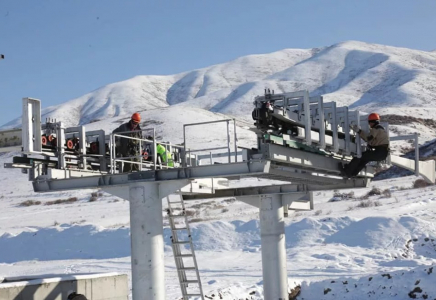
point(229, 153)
point(149, 144)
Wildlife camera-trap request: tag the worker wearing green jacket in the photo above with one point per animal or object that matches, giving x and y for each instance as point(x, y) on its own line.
point(165, 157)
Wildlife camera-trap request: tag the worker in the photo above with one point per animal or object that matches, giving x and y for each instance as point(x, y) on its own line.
point(377, 149)
point(128, 147)
point(164, 157)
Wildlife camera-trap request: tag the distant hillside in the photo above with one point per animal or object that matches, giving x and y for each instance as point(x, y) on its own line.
point(368, 77)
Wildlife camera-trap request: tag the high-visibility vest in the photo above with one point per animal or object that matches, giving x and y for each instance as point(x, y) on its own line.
point(167, 159)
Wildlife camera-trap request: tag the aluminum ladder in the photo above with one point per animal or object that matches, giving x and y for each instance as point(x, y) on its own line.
point(181, 240)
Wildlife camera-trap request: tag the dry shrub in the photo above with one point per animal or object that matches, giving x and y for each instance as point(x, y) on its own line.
point(62, 201)
point(201, 204)
point(420, 183)
point(94, 194)
point(93, 198)
point(231, 200)
point(377, 203)
point(224, 210)
point(401, 120)
point(374, 191)
point(369, 203)
point(195, 220)
point(318, 212)
point(30, 203)
point(218, 206)
point(387, 193)
point(342, 196)
point(190, 213)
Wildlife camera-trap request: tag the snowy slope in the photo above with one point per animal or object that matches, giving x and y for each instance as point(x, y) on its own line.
point(145, 92)
point(364, 76)
point(341, 250)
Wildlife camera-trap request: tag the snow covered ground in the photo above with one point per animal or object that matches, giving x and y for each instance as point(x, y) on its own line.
point(343, 249)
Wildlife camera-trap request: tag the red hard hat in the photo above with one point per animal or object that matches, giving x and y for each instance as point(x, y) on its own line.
point(373, 117)
point(136, 117)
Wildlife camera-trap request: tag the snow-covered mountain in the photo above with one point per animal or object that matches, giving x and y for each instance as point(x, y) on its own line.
point(368, 77)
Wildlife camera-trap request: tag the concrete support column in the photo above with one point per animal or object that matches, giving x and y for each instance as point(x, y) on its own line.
point(272, 233)
point(146, 230)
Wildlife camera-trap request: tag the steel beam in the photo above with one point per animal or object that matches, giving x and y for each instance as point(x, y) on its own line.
point(45, 184)
point(300, 158)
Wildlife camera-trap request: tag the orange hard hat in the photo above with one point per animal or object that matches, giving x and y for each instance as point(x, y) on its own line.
point(136, 117)
point(373, 117)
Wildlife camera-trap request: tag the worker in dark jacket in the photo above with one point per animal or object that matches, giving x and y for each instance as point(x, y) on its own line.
point(128, 147)
point(378, 146)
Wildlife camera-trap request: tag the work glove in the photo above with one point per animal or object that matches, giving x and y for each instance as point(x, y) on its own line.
point(355, 128)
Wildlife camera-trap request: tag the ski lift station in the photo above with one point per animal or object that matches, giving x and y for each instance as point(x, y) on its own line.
point(301, 141)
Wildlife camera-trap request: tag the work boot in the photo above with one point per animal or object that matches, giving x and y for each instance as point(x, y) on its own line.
point(344, 171)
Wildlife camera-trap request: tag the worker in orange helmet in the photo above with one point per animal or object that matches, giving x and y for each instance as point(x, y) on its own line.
point(126, 147)
point(377, 150)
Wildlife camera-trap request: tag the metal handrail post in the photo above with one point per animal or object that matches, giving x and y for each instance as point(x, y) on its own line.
point(140, 155)
point(154, 150)
point(228, 140)
point(184, 147)
point(416, 155)
point(236, 139)
point(110, 154)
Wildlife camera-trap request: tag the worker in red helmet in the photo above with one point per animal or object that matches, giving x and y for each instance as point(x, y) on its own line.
point(377, 150)
point(126, 147)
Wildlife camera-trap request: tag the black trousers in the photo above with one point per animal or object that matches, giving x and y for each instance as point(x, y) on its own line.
point(357, 164)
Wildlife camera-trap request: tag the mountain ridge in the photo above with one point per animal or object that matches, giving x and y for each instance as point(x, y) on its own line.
point(368, 77)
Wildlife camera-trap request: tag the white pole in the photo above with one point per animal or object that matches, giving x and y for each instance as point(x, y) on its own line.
point(272, 233)
point(146, 229)
point(416, 155)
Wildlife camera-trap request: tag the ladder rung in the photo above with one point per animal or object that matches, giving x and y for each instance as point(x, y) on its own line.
point(174, 202)
point(182, 228)
point(190, 281)
point(187, 269)
point(177, 216)
point(184, 255)
point(193, 295)
point(182, 242)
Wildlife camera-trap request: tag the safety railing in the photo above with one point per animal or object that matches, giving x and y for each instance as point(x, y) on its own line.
point(189, 151)
point(147, 149)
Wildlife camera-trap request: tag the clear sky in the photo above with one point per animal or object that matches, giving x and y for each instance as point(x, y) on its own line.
point(59, 50)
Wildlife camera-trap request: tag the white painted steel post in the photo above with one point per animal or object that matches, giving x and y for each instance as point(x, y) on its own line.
point(154, 150)
point(82, 145)
point(236, 140)
point(228, 140)
point(60, 136)
point(416, 154)
point(272, 233)
point(146, 228)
